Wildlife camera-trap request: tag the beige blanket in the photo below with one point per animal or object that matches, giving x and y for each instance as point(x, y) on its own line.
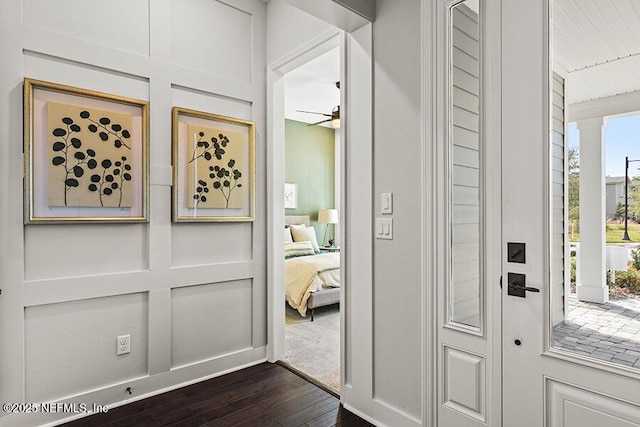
point(302, 276)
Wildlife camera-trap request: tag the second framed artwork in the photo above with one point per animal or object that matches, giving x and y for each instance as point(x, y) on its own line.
point(213, 167)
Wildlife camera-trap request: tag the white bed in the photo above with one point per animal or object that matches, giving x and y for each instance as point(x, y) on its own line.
point(311, 281)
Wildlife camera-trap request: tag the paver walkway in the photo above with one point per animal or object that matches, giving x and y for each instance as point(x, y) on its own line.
point(609, 331)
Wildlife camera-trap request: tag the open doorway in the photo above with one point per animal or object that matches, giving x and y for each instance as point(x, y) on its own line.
point(596, 188)
point(312, 202)
point(309, 157)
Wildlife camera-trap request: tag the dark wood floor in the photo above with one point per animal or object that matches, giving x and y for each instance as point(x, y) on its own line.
point(262, 395)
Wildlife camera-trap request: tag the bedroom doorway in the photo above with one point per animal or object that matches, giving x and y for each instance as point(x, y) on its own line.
point(355, 193)
point(311, 252)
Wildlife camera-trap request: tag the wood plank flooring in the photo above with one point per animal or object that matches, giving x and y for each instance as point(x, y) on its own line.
point(262, 395)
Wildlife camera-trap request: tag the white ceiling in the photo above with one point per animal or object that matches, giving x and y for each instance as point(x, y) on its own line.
point(596, 45)
point(312, 87)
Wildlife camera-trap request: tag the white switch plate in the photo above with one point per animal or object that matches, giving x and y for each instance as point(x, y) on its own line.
point(124, 344)
point(384, 228)
point(386, 201)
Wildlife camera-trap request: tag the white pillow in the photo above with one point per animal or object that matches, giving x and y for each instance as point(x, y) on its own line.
point(297, 225)
point(307, 234)
point(287, 235)
point(298, 249)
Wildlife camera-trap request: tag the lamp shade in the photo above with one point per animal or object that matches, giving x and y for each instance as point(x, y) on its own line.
point(328, 216)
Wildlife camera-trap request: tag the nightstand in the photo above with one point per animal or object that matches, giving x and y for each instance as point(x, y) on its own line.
point(330, 248)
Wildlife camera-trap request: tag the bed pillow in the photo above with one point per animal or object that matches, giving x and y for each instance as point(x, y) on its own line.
point(298, 249)
point(287, 235)
point(307, 234)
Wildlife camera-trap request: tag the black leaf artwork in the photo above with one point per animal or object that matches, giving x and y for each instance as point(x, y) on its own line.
point(223, 179)
point(201, 193)
point(115, 130)
point(68, 153)
point(217, 145)
point(111, 181)
point(65, 157)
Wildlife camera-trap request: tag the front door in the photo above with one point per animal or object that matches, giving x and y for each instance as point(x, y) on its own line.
point(519, 343)
point(563, 361)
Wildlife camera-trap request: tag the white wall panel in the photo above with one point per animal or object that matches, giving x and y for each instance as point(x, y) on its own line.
point(85, 76)
point(213, 37)
point(289, 28)
point(122, 24)
point(397, 340)
point(54, 251)
point(200, 244)
point(71, 347)
point(210, 321)
point(211, 103)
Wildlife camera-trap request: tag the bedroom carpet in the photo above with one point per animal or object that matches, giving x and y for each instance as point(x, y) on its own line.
point(314, 347)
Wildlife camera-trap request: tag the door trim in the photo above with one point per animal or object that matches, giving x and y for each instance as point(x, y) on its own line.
point(275, 180)
point(428, 18)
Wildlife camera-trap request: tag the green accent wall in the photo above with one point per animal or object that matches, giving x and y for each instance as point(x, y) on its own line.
point(310, 163)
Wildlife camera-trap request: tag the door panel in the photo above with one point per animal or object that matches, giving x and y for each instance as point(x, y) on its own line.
point(464, 382)
point(543, 385)
point(571, 406)
point(468, 214)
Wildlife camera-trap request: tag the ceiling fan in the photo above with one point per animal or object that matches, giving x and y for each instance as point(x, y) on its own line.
point(333, 117)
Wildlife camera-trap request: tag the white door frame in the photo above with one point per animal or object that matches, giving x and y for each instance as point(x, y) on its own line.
point(356, 130)
point(275, 179)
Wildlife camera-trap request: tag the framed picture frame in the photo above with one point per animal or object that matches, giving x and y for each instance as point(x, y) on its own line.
point(213, 167)
point(290, 195)
point(85, 155)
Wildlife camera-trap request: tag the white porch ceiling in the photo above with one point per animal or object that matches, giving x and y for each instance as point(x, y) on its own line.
point(312, 87)
point(596, 46)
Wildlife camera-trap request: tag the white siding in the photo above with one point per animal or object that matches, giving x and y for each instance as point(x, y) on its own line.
point(465, 163)
point(558, 172)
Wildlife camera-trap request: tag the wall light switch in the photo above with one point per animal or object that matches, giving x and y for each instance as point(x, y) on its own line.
point(387, 203)
point(384, 228)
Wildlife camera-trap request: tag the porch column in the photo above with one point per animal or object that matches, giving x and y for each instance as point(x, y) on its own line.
point(593, 281)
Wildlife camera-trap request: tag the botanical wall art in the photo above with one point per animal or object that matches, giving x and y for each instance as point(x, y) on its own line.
point(213, 163)
point(290, 195)
point(85, 155)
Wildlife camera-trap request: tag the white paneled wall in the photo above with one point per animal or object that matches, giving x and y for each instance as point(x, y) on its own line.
point(60, 333)
point(203, 315)
point(220, 46)
point(397, 269)
point(175, 288)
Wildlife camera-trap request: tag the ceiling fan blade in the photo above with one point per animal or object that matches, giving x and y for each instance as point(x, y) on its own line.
point(320, 122)
point(313, 112)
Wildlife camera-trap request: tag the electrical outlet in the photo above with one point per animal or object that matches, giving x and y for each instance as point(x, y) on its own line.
point(124, 344)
